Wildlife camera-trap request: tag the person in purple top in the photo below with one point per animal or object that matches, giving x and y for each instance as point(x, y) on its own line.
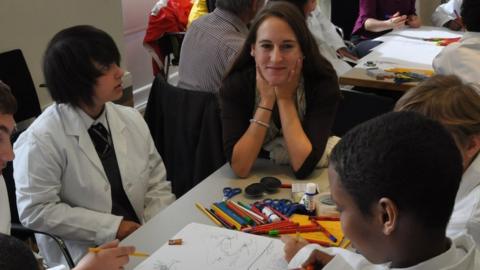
point(377, 17)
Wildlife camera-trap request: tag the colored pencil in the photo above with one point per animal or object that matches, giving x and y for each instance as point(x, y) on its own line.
point(204, 210)
point(136, 254)
point(225, 223)
point(226, 217)
point(325, 232)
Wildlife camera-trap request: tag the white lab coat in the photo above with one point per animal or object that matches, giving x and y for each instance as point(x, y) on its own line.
point(5, 221)
point(62, 187)
point(446, 12)
point(328, 40)
point(466, 212)
point(461, 59)
point(462, 255)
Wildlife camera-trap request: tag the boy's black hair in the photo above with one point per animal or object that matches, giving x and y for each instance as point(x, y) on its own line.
point(15, 255)
point(403, 156)
point(8, 103)
point(471, 15)
point(73, 61)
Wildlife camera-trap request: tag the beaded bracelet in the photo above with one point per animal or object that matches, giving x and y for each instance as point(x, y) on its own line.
point(261, 123)
point(265, 108)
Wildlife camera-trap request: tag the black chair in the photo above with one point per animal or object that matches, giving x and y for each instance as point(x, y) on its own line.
point(344, 14)
point(15, 73)
point(186, 128)
point(171, 44)
point(357, 107)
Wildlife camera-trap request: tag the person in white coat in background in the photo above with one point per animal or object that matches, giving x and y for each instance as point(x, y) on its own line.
point(457, 106)
point(111, 257)
point(394, 214)
point(329, 42)
point(463, 58)
point(448, 15)
point(86, 169)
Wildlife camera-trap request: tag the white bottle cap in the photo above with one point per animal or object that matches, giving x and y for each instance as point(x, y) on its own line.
point(311, 188)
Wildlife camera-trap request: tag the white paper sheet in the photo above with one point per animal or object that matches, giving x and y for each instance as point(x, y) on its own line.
point(208, 247)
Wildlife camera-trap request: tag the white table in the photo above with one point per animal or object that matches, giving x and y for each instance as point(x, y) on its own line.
point(167, 223)
point(404, 48)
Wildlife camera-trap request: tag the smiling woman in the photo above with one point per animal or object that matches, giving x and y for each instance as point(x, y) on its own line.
point(279, 98)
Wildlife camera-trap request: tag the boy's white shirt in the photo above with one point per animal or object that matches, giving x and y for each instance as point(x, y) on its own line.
point(466, 212)
point(5, 222)
point(446, 12)
point(462, 255)
point(328, 40)
point(461, 59)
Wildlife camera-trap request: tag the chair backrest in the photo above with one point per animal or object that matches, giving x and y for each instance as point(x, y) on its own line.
point(186, 128)
point(14, 72)
point(344, 15)
point(357, 107)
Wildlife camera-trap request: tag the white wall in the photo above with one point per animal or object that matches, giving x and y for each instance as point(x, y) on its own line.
point(138, 61)
point(29, 25)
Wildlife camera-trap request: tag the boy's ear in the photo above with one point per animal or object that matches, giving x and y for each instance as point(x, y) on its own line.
point(387, 214)
point(473, 146)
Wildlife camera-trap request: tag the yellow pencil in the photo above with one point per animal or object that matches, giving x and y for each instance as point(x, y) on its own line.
point(136, 254)
point(199, 206)
point(223, 215)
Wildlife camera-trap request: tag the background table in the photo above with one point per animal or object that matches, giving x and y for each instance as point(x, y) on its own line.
point(171, 220)
point(404, 48)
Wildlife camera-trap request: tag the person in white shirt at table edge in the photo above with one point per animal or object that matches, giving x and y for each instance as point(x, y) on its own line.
point(448, 15)
point(112, 257)
point(86, 169)
point(463, 58)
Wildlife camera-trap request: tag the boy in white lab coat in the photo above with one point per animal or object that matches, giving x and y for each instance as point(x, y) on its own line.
point(463, 58)
point(86, 169)
point(395, 189)
point(112, 257)
point(448, 15)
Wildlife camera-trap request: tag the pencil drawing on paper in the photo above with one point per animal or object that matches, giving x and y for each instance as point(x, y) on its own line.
point(160, 265)
point(230, 250)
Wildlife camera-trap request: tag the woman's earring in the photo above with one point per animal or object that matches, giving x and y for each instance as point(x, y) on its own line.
point(252, 53)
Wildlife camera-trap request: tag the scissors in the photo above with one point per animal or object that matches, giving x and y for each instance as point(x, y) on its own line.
point(229, 192)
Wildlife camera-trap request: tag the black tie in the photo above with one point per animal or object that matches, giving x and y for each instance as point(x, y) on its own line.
point(101, 139)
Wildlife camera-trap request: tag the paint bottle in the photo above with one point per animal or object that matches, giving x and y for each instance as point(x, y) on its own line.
point(308, 198)
point(272, 217)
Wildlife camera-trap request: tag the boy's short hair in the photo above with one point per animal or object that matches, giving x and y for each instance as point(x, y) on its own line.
point(471, 15)
point(406, 157)
point(8, 103)
point(447, 99)
point(72, 63)
point(15, 255)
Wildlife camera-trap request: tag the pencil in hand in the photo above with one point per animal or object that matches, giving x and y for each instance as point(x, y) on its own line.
point(136, 254)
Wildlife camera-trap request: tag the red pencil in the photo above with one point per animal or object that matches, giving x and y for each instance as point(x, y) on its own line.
point(325, 218)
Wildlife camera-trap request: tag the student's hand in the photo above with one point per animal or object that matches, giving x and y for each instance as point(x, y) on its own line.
point(455, 25)
point(414, 21)
point(267, 93)
point(126, 228)
point(287, 90)
point(292, 246)
point(397, 21)
point(111, 257)
point(343, 52)
point(318, 259)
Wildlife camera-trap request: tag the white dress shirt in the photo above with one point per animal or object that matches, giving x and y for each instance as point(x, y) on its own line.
point(446, 12)
point(461, 59)
point(462, 255)
point(466, 212)
point(328, 40)
point(5, 222)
